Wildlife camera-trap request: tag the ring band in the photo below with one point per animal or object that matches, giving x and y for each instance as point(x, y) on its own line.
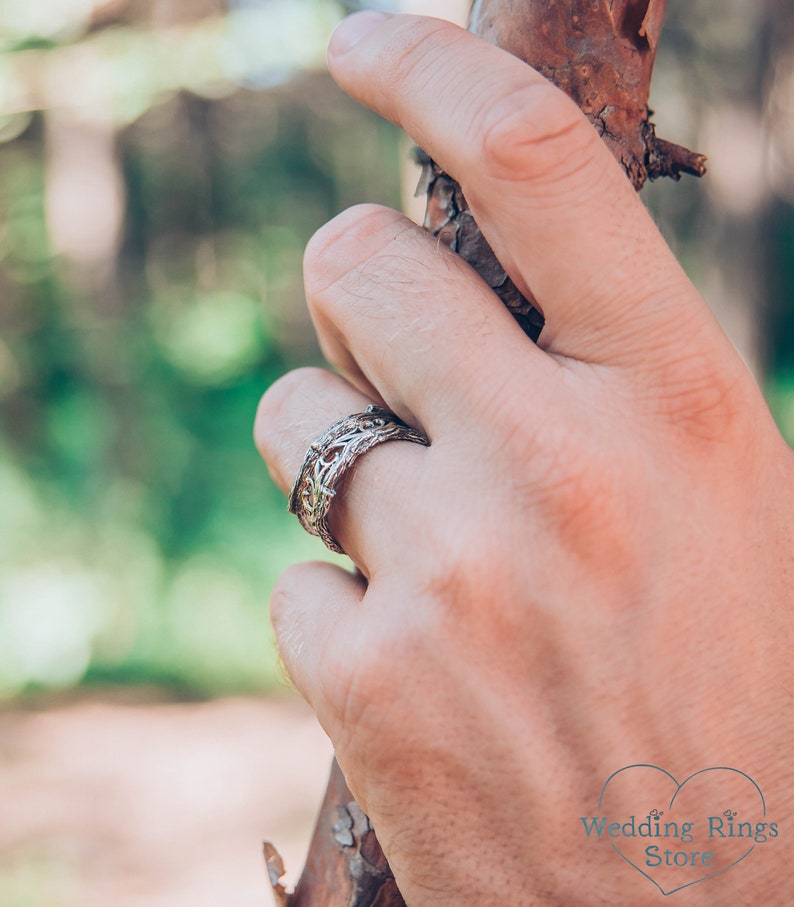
point(332, 455)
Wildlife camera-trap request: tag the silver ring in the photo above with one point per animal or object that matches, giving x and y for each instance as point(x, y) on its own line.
point(332, 455)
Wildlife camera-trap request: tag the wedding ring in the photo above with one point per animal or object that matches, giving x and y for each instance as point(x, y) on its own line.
point(331, 456)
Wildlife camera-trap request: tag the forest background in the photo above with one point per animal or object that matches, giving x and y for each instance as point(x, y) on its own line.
point(162, 165)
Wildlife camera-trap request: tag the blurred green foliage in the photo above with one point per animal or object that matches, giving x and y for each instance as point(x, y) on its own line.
point(162, 165)
point(140, 531)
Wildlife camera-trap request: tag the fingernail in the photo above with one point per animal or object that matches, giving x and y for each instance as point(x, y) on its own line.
point(351, 30)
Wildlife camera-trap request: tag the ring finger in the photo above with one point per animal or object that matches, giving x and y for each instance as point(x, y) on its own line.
point(368, 515)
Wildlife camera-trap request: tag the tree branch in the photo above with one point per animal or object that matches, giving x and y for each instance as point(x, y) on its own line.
point(601, 53)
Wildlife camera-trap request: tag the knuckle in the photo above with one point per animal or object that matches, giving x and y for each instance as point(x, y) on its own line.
point(359, 700)
point(581, 500)
point(343, 244)
point(585, 499)
point(278, 397)
point(413, 58)
point(510, 426)
point(535, 132)
point(289, 620)
point(307, 650)
point(353, 260)
point(285, 593)
point(457, 565)
point(375, 686)
point(705, 401)
point(276, 405)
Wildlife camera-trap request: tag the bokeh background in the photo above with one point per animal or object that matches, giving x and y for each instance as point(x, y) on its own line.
point(162, 165)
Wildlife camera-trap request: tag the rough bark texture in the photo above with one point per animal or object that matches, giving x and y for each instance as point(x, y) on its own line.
point(601, 52)
point(346, 866)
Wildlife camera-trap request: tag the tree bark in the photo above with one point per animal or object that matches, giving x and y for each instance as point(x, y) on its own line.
point(601, 53)
point(346, 866)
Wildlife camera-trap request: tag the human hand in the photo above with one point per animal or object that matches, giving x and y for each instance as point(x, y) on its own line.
point(591, 565)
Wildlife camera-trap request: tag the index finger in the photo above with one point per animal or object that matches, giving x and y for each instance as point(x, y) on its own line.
point(550, 198)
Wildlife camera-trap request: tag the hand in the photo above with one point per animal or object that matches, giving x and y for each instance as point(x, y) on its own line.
point(591, 566)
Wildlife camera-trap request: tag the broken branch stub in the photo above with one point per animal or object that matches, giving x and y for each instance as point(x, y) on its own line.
point(601, 53)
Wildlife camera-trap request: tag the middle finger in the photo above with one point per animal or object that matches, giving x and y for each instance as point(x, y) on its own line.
point(405, 317)
point(552, 201)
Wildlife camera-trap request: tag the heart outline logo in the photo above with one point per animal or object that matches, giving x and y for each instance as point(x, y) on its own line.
point(678, 788)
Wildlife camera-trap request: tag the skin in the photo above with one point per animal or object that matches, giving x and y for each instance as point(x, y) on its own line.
point(592, 564)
